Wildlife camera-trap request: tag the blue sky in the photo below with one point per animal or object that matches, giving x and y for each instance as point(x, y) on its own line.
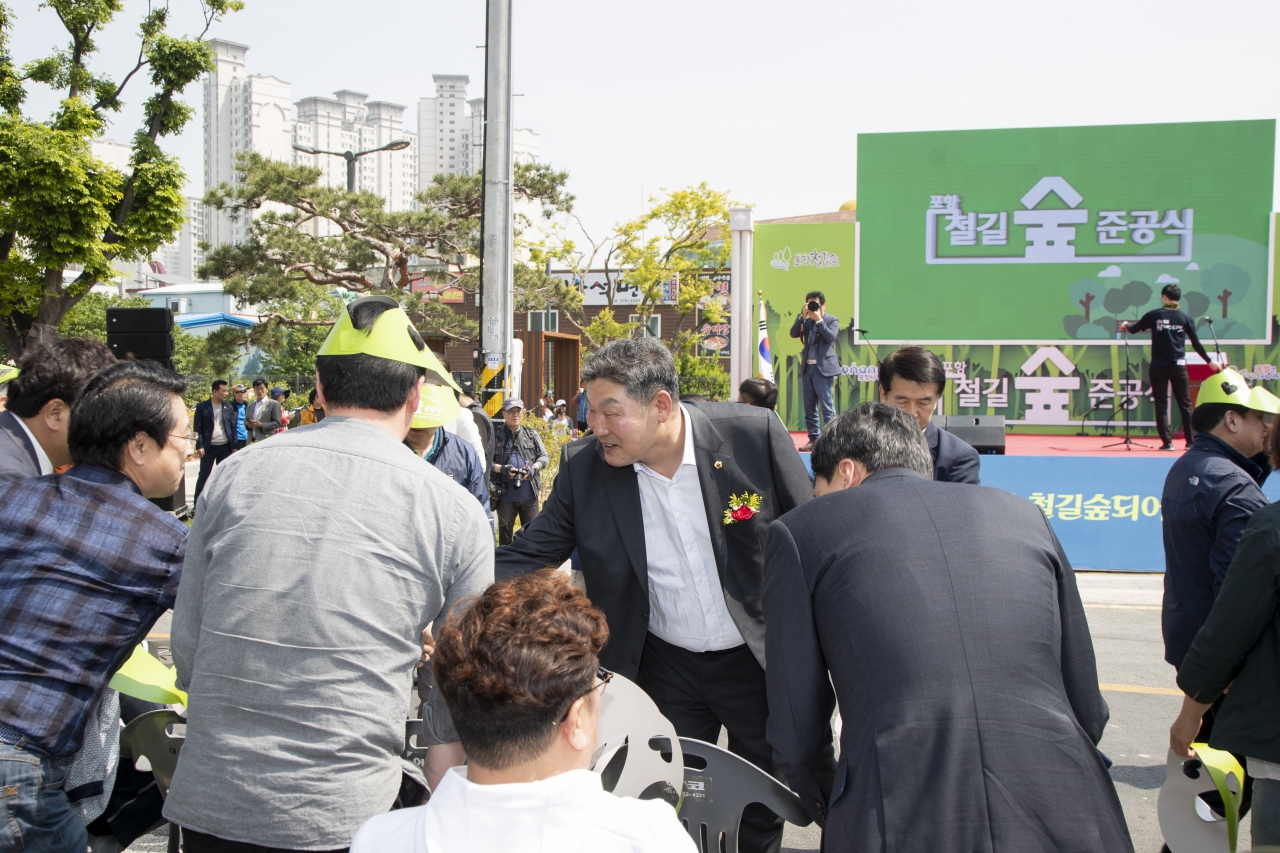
point(762, 99)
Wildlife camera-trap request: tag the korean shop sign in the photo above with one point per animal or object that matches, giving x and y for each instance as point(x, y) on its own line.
point(995, 236)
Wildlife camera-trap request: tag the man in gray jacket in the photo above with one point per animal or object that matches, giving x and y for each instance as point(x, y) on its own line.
point(262, 416)
point(315, 563)
point(945, 620)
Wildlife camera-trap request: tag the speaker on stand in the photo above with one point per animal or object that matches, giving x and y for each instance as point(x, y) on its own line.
point(146, 334)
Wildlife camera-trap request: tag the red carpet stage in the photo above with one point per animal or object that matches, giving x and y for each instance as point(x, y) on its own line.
point(1067, 445)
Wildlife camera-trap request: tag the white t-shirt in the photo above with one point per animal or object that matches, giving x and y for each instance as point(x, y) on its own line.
point(564, 814)
point(1260, 769)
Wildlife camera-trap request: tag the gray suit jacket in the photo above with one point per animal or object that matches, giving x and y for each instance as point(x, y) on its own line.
point(595, 509)
point(272, 419)
point(948, 620)
point(18, 459)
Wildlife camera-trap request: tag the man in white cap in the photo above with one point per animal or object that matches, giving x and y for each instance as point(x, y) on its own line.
point(315, 563)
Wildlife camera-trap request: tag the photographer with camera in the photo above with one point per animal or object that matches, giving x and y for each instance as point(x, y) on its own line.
point(518, 456)
point(820, 363)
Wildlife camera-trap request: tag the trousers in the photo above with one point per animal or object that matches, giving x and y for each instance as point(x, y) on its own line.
point(507, 513)
point(1161, 379)
point(213, 454)
point(1266, 815)
point(701, 691)
point(38, 815)
point(817, 392)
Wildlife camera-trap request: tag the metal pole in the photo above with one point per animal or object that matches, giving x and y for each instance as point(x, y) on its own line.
point(743, 336)
point(351, 170)
point(496, 236)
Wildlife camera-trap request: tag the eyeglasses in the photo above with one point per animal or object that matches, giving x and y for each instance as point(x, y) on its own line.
point(605, 677)
point(190, 436)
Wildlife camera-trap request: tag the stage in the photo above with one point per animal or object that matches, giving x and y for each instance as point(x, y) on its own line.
point(1103, 502)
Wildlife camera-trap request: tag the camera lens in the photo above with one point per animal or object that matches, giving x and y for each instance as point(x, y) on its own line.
point(814, 306)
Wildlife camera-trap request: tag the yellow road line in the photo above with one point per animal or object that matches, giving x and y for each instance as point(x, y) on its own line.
point(156, 636)
point(1133, 688)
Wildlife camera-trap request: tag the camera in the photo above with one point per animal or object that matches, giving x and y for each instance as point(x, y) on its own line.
point(814, 305)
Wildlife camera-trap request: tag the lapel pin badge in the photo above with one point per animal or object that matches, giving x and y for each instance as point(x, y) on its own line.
point(719, 464)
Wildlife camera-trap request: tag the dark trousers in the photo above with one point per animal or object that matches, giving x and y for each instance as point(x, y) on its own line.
point(507, 512)
point(1161, 379)
point(817, 392)
point(213, 454)
point(198, 842)
point(701, 691)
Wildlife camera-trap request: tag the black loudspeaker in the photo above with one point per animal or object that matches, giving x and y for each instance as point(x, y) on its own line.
point(144, 333)
point(176, 502)
point(985, 433)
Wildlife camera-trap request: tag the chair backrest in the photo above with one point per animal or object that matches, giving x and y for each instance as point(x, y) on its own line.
point(1186, 820)
point(150, 736)
point(630, 721)
point(718, 786)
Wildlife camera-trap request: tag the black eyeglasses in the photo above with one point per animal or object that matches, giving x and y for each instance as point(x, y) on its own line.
point(605, 677)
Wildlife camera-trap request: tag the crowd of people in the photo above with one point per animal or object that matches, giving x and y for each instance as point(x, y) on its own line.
point(330, 569)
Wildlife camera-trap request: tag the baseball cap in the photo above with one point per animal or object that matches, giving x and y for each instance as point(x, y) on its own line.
point(512, 403)
point(277, 391)
point(561, 403)
point(239, 388)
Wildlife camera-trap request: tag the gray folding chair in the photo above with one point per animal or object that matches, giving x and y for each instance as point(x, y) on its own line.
point(718, 786)
point(152, 744)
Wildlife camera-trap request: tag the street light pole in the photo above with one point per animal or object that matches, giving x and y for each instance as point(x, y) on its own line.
point(496, 234)
point(352, 156)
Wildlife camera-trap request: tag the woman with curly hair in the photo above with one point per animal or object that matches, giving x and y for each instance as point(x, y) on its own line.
point(520, 672)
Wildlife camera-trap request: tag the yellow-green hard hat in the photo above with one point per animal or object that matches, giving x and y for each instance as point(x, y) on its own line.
point(7, 372)
point(391, 336)
point(1264, 401)
point(1226, 387)
point(438, 407)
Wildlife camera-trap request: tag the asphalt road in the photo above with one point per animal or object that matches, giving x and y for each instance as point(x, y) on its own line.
point(1124, 619)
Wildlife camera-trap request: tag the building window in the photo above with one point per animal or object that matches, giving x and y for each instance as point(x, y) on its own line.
point(544, 321)
point(655, 325)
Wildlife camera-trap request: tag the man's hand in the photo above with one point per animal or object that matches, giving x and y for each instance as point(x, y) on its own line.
point(1215, 367)
point(428, 646)
point(254, 424)
point(1124, 325)
point(199, 452)
point(1186, 726)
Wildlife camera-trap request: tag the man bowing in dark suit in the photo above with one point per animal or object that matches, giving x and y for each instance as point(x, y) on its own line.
point(667, 505)
point(912, 379)
point(948, 620)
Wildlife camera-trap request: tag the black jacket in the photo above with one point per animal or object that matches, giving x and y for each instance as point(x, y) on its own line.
point(203, 423)
point(1239, 646)
point(1209, 495)
point(954, 459)
point(530, 447)
point(595, 508)
point(963, 666)
point(485, 425)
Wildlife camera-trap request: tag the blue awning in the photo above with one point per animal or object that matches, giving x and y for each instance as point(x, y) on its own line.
point(202, 321)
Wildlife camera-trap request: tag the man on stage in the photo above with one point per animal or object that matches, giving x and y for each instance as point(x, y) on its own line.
point(1170, 329)
point(667, 504)
point(819, 363)
point(912, 379)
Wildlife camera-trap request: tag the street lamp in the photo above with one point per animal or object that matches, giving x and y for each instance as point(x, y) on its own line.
point(352, 157)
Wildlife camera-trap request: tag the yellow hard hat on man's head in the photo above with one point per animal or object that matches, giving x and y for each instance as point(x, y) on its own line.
point(437, 408)
point(391, 336)
point(7, 372)
point(1230, 388)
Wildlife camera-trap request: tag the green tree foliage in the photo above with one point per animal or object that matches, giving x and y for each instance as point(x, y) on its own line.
point(604, 328)
point(680, 236)
point(702, 375)
point(307, 239)
point(59, 205)
point(88, 319)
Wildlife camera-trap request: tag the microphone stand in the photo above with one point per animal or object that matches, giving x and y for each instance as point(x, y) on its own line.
point(874, 354)
point(1084, 422)
point(1128, 442)
point(1217, 350)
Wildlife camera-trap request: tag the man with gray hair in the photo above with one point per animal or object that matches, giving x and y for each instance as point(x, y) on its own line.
point(667, 505)
point(944, 619)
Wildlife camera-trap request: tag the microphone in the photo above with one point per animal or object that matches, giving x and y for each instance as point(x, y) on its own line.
point(1208, 320)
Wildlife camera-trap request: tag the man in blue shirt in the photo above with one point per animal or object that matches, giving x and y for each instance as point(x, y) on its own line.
point(238, 393)
point(89, 565)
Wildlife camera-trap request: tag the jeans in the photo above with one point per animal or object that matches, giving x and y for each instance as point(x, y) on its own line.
point(507, 512)
point(37, 818)
point(817, 390)
point(1266, 816)
point(1161, 378)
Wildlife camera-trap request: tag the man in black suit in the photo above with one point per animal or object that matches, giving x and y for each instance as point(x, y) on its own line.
point(667, 505)
point(912, 379)
point(33, 426)
point(215, 428)
point(947, 618)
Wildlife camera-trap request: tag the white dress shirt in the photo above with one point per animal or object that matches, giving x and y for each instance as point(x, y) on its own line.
point(567, 813)
point(686, 600)
point(42, 458)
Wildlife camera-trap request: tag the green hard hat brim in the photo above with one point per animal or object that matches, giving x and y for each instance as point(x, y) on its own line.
point(391, 336)
point(1226, 387)
point(438, 407)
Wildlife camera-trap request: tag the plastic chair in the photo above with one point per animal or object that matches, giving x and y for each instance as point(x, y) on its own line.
point(635, 743)
point(718, 786)
point(150, 742)
point(1187, 822)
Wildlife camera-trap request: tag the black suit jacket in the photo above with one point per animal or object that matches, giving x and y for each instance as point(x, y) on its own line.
point(947, 618)
point(595, 508)
point(204, 423)
point(954, 459)
point(18, 459)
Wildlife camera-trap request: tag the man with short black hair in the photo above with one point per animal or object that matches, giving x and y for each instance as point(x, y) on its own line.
point(912, 379)
point(89, 565)
point(215, 428)
point(755, 391)
point(665, 504)
point(819, 364)
point(960, 659)
point(33, 427)
point(316, 561)
point(263, 416)
point(1170, 328)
